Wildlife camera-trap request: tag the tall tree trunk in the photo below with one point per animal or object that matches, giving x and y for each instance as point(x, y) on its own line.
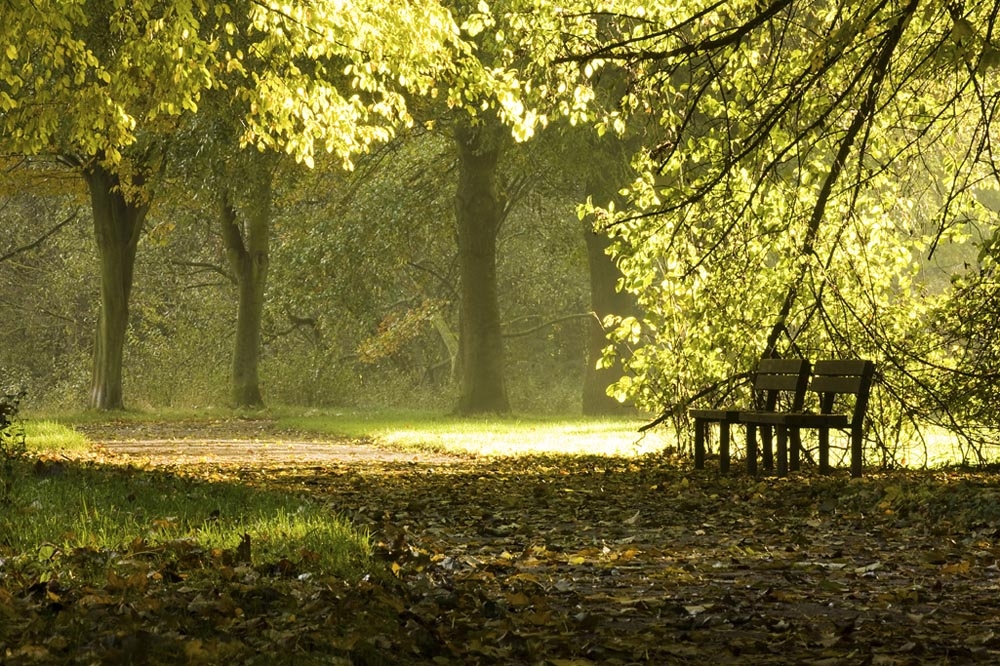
point(479, 213)
point(605, 299)
point(117, 226)
point(247, 246)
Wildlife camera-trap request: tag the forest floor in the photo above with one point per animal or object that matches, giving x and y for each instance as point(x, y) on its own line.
point(564, 561)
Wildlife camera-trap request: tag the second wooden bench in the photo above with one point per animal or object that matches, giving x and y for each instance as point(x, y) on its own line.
point(843, 388)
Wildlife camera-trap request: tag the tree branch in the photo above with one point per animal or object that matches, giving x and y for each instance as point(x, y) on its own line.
point(865, 112)
point(38, 241)
point(551, 322)
point(609, 51)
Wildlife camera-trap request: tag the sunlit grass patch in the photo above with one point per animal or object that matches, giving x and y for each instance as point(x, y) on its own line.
point(49, 436)
point(487, 436)
point(63, 508)
point(936, 447)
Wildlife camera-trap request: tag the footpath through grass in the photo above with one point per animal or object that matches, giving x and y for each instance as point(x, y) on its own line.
point(484, 436)
point(91, 549)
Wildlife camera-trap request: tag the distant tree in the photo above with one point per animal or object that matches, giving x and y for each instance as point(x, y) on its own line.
point(74, 79)
point(105, 84)
point(479, 213)
point(516, 41)
point(118, 224)
point(247, 243)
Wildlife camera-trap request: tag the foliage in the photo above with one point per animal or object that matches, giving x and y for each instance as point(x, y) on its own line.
point(332, 76)
point(809, 158)
point(12, 446)
point(45, 282)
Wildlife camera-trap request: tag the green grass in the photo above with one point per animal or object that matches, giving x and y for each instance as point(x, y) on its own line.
point(55, 506)
point(495, 436)
point(67, 507)
point(51, 436)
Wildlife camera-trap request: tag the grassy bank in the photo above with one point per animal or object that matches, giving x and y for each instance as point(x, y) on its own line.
point(53, 506)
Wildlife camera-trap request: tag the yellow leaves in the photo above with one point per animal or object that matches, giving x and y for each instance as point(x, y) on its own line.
point(479, 21)
point(957, 568)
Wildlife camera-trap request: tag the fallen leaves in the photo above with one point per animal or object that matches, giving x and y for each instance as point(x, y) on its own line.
point(554, 561)
point(813, 571)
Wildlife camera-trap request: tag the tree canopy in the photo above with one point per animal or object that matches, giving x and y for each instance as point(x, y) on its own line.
point(92, 76)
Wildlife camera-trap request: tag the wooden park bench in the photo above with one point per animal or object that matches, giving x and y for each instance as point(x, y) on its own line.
point(778, 383)
point(843, 388)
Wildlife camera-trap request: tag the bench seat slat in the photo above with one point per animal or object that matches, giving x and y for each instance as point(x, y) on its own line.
point(762, 418)
point(805, 420)
point(796, 419)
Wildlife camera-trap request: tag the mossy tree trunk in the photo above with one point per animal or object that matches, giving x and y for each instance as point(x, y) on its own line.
point(479, 212)
point(118, 224)
point(247, 242)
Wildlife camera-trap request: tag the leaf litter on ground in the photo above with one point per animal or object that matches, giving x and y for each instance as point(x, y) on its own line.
point(553, 560)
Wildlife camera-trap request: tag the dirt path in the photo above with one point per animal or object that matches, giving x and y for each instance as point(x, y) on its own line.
point(238, 443)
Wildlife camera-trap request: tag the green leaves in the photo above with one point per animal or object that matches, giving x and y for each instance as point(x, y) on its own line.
point(331, 75)
point(805, 161)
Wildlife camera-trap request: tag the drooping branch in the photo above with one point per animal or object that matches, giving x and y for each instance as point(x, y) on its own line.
point(865, 112)
point(804, 83)
point(623, 49)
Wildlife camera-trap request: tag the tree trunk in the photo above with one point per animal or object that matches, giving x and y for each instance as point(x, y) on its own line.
point(479, 213)
point(605, 299)
point(117, 226)
point(247, 246)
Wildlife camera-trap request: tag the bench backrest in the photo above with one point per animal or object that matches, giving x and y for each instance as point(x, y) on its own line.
point(777, 376)
point(832, 379)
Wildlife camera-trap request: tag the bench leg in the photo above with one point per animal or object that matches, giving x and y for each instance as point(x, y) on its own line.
point(824, 450)
point(768, 448)
point(752, 450)
point(782, 451)
point(724, 448)
point(857, 452)
point(795, 449)
point(700, 426)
